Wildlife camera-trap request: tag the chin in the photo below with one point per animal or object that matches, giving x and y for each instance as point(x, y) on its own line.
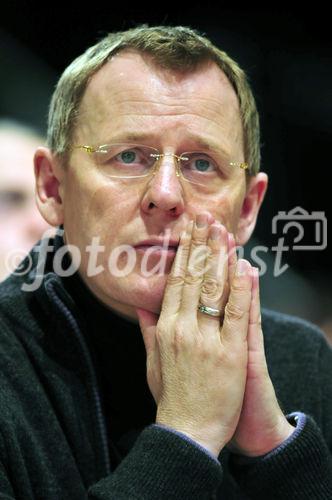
point(150, 293)
point(136, 292)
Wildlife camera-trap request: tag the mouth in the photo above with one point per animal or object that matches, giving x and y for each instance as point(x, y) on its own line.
point(158, 247)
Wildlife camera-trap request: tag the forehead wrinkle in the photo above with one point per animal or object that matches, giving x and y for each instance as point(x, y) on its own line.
point(174, 102)
point(121, 116)
point(115, 84)
point(122, 65)
point(200, 134)
point(129, 132)
point(104, 98)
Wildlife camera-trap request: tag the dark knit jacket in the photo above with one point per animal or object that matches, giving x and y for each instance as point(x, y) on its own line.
point(53, 434)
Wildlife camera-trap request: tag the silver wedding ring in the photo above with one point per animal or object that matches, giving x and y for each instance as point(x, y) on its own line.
point(209, 310)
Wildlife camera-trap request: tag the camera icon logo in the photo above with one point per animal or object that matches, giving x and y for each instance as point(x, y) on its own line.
point(305, 223)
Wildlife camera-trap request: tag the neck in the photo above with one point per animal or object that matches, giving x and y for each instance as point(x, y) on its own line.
point(124, 311)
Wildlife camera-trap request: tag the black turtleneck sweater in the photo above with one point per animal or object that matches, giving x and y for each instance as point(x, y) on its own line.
point(118, 349)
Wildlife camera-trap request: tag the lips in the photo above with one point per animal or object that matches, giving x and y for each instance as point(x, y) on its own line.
point(159, 245)
point(162, 243)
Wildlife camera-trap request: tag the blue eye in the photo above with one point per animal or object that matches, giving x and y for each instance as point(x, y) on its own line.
point(128, 156)
point(202, 165)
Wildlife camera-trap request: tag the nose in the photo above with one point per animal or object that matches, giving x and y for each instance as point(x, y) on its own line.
point(164, 192)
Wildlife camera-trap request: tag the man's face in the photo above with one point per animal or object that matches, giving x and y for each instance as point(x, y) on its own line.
point(127, 101)
point(21, 225)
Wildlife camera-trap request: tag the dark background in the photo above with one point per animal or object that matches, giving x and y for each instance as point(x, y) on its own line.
point(287, 56)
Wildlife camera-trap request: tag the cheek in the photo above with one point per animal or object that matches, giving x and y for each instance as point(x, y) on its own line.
point(111, 201)
point(225, 207)
point(110, 208)
point(98, 210)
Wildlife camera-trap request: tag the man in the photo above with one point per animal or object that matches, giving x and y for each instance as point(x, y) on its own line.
point(21, 223)
point(152, 177)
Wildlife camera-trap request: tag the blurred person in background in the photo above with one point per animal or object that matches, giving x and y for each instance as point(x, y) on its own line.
point(21, 224)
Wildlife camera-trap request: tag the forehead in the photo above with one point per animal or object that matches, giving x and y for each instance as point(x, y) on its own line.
point(130, 88)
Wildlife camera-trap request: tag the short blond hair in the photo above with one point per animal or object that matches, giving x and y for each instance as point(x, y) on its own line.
point(173, 48)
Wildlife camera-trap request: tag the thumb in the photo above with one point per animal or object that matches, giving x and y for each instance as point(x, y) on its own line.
point(147, 322)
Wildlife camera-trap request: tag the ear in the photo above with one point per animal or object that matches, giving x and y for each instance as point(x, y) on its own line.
point(255, 192)
point(49, 178)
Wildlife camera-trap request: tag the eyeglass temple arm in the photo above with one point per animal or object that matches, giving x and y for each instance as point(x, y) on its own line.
point(88, 149)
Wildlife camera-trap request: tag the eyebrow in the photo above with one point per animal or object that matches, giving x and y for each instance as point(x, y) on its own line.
point(141, 137)
point(207, 144)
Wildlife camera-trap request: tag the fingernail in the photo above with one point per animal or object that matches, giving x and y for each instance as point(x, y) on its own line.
point(241, 267)
point(201, 220)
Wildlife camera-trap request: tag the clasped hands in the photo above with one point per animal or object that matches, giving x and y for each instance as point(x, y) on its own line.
point(208, 375)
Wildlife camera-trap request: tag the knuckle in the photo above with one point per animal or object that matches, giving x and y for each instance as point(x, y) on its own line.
point(224, 297)
point(180, 340)
point(175, 280)
point(199, 239)
point(257, 368)
point(179, 333)
point(210, 290)
point(234, 312)
point(198, 255)
point(219, 357)
point(257, 322)
point(206, 349)
point(240, 285)
point(193, 279)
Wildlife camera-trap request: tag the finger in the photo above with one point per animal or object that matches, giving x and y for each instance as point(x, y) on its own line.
point(236, 319)
point(231, 261)
point(196, 266)
point(255, 334)
point(215, 277)
point(147, 322)
point(232, 257)
point(175, 280)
